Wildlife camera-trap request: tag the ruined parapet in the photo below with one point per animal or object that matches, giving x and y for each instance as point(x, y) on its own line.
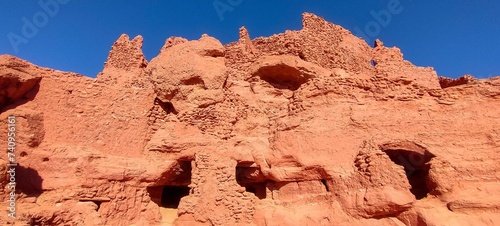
point(389, 63)
point(126, 59)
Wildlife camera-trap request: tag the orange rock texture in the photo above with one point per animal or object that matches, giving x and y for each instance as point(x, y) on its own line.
point(308, 127)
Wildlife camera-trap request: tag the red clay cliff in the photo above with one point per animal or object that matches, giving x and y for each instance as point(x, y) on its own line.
point(308, 127)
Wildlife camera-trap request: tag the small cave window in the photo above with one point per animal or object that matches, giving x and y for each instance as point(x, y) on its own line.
point(98, 203)
point(282, 76)
point(172, 186)
point(258, 189)
point(323, 181)
point(28, 181)
point(168, 107)
point(168, 196)
point(194, 81)
point(171, 196)
point(252, 180)
point(168, 199)
point(302, 56)
point(415, 164)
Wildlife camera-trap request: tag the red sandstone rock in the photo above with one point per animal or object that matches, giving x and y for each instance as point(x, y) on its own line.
point(449, 82)
point(190, 74)
point(16, 80)
point(295, 129)
point(127, 60)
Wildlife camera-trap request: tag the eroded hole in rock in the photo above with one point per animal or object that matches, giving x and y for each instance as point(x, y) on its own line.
point(172, 186)
point(302, 56)
point(171, 196)
point(415, 164)
point(28, 181)
point(214, 53)
point(323, 181)
point(168, 107)
point(194, 81)
point(282, 76)
point(98, 203)
point(40, 220)
point(168, 198)
point(19, 92)
point(258, 189)
point(252, 179)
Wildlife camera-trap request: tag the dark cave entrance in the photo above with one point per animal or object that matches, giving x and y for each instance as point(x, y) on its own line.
point(324, 182)
point(258, 189)
point(251, 178)
point(171, 196)
point(98, 203)
point(172, 186)
point(416, 166)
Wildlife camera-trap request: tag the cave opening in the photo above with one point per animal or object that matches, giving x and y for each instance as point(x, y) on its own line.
point(251, 178)
point(28, 181)
point(168, 198)
point(98, 203)
point(282, 76)
point(258, 189)
point(167, 107)
point(172, 186)
point(171, 196)
point(323, 181)
point(416, 166)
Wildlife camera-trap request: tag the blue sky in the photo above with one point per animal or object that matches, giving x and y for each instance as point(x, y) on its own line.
point(456, 37)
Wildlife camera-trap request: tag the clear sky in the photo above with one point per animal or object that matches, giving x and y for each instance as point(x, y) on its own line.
point(456, 37)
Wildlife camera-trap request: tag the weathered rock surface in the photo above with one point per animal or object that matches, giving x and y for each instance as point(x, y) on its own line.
point(190, 74)
point(126, 63)
point(449, 82)
point(308, 127)
point(15, 80)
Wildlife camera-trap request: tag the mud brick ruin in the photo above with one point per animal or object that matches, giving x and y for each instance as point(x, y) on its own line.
point(308, 127)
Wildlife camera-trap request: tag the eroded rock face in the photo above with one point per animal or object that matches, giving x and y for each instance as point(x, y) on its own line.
point(189, 74)
point(127, 54)
point(286, 72)
point(16, 80)
point(308, 127)
point(127, 60)
point(390, 64)
point(449, 82)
